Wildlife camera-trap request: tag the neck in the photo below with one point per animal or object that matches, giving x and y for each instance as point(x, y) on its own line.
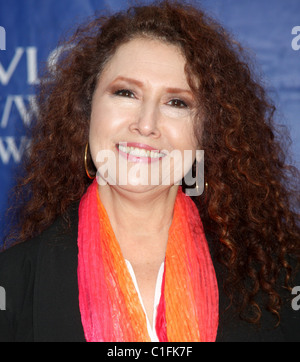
point(139, 216)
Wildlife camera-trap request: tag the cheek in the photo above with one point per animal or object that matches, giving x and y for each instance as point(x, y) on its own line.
point(105, 123)
point(183, 144)
point(107, 126)
point(99, 131)
point(181, 136)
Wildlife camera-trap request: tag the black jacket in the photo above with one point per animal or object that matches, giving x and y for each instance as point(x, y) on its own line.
point(40, 282)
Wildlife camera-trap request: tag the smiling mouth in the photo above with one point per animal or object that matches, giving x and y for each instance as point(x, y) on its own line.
point(139, 152)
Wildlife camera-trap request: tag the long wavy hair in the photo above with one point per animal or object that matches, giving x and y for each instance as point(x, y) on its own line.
point(251, 202)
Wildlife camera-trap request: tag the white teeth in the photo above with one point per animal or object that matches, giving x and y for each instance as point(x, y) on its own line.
point(140, 152)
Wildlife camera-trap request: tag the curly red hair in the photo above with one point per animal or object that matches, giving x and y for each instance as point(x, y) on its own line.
point(250, 205)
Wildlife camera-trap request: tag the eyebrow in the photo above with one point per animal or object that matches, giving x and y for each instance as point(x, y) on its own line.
point(126, 79)
point(140, 84)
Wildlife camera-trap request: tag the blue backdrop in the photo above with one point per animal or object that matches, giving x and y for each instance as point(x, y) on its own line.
point(270, 29)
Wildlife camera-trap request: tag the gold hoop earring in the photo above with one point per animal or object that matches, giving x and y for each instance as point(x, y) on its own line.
point(85, 163)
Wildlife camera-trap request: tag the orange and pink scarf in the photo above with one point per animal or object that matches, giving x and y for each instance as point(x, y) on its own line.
point(110, 308)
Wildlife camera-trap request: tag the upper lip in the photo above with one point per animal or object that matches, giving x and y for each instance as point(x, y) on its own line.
point(139, 145)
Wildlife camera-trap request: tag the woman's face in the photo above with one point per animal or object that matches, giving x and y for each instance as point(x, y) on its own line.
point(141, 127)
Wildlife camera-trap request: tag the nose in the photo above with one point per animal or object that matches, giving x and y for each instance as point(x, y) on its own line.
point(147, 121)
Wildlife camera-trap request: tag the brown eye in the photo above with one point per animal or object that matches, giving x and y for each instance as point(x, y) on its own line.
point(124, 93)
point(178, 103)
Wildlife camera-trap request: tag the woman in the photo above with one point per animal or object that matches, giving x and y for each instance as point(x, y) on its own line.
point(121, 258)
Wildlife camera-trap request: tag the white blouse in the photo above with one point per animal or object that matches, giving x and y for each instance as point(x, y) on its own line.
point(151, 329)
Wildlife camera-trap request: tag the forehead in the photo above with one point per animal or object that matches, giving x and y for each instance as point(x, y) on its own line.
point(147, 60)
